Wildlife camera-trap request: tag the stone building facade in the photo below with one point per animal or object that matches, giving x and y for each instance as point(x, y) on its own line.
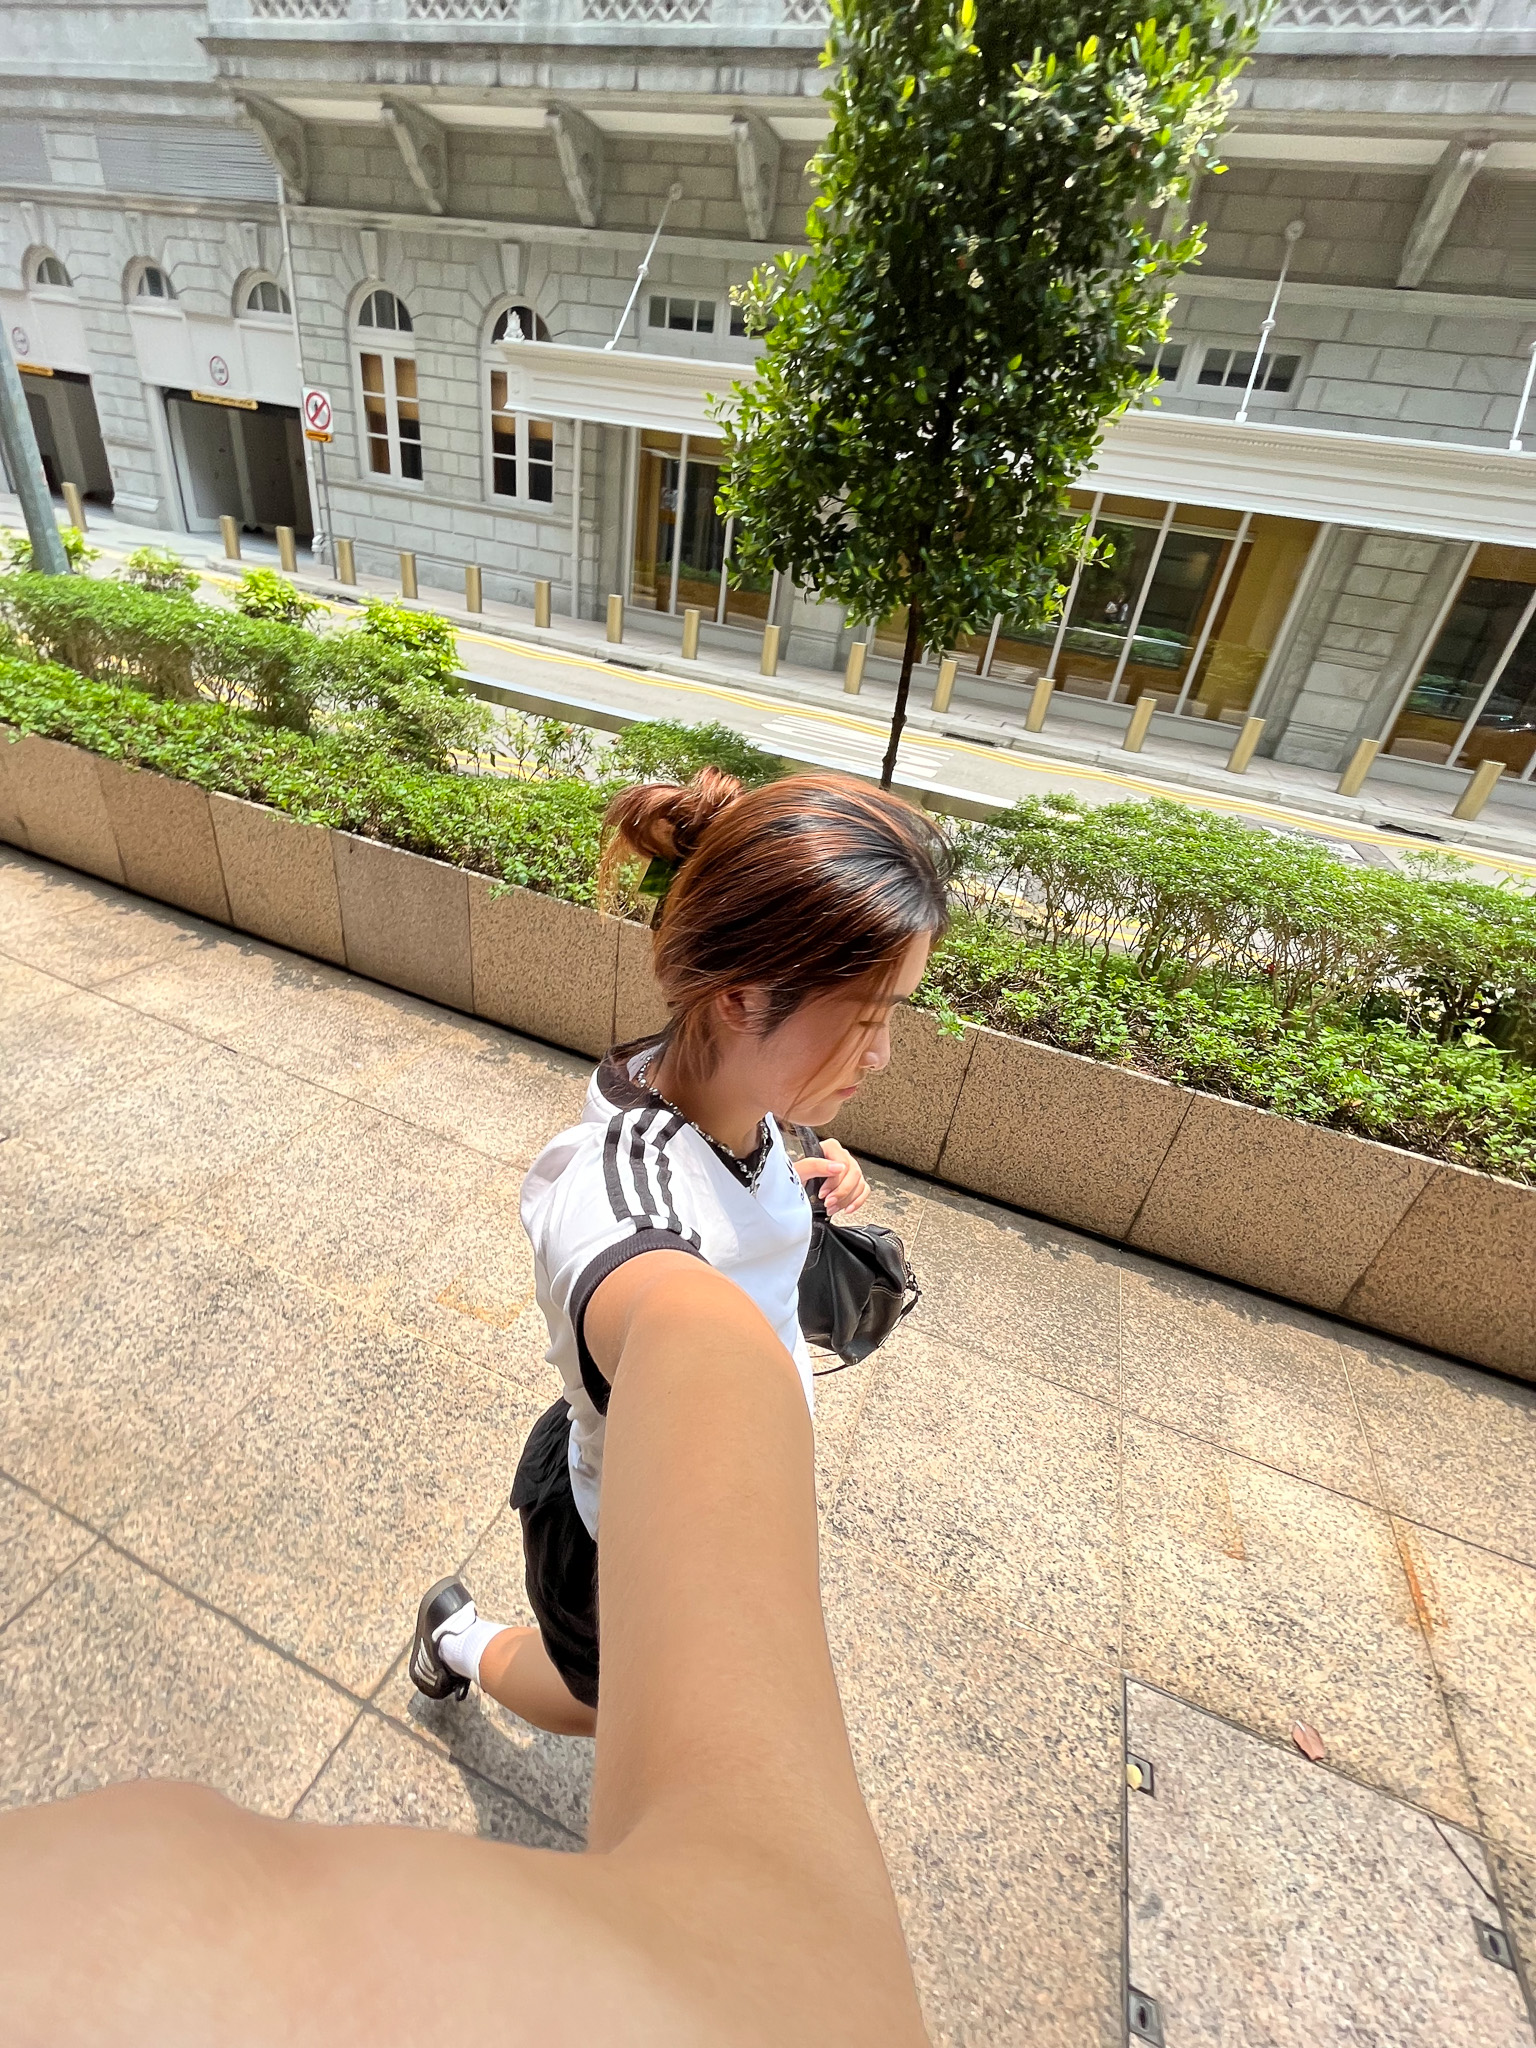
point(436, 210)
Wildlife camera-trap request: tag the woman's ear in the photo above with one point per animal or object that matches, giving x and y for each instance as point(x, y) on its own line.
point(742, 1010)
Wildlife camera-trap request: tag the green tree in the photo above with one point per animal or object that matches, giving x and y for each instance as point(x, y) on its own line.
point(981, 285)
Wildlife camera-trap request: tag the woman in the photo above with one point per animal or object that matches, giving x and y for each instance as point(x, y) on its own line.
point(794, 919)
point(732, 1894)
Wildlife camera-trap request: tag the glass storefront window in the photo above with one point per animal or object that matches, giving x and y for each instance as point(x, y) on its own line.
point(682, 545)
point(1475, 699)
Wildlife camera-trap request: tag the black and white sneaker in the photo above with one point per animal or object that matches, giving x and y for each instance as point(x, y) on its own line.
point(429, 1674)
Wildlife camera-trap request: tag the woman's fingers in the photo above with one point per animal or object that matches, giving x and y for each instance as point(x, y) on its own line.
point(843, 1186)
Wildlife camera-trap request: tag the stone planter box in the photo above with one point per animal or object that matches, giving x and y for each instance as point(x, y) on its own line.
point(1430, 1253)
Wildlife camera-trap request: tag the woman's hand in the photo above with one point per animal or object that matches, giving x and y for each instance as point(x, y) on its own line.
point(843, 1186)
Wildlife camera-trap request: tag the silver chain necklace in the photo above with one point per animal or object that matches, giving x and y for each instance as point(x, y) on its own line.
point(749, 1171)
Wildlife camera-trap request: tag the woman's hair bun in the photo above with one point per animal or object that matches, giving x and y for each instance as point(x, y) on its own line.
point(664, 820)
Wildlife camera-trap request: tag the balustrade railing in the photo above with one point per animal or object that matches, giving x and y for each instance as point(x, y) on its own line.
point(743, 20)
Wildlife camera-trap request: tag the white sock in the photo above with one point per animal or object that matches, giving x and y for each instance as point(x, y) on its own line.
point(462, 1639)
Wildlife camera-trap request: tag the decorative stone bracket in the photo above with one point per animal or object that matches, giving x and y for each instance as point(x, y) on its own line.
point(579, 146)
point(423, 145)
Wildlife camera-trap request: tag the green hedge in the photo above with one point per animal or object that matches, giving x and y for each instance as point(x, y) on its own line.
point(1148, 935)
point(541, 835)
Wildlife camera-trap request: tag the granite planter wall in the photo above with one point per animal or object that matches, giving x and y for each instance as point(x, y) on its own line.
point(1434, 1254)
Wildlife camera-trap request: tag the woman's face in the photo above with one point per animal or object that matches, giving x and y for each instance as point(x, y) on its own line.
point(816, 1059)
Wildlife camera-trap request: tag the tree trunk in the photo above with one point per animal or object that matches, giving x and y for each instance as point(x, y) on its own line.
point(909, 655)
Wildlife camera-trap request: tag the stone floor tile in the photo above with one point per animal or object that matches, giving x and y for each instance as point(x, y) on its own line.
point(350, 1200)
point(1317, 1909)
point(1023, 1292)
point(550, 1773)
point(1481, 1611)
point(485, 1088)
point(468, 1284)
point(27, 988)
point(37, 1542)
point(68, 1053)
point(1456, 1448)
point(1248, 1373)
point(993, 1777)
point(153, 1684)
point(840, 1396)
point(344, 1488)
point(51, 1227)
point(165, 1140)
point(85, 931)
point(296, 1014)
point(1271, 1601)
point(132, 1368)
point(1515, 1877)
point(1003, 1485)
point(382, 1777)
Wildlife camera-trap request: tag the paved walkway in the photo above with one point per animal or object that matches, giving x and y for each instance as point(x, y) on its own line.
point(269, 1355)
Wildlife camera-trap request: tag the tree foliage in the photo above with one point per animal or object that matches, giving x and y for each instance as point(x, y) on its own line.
point(981, 285)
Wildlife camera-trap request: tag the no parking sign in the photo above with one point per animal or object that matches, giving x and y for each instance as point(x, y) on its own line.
point(317, 415)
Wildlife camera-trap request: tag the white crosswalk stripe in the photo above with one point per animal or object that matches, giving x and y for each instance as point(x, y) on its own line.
point(838, 747)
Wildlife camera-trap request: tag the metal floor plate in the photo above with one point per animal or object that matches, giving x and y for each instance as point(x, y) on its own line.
point(1274, 1904)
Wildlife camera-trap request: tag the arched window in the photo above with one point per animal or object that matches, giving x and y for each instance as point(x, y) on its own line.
point(522, 450)
point(383, 309)
point(267, 296)
point(386, 362)
point(49, 270)
point(153, 284)
point(519, 323)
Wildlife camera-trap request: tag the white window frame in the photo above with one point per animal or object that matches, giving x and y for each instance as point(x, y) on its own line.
point(390, 345)
point(153, 300)
point(1197, 350)
point(35, 283)
point(494, 363)
point(695, 299)
point(243, 311)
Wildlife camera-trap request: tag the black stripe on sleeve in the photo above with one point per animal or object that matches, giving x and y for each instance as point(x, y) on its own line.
point(591, 1279)
point(620, 1206)
point(664, 1178)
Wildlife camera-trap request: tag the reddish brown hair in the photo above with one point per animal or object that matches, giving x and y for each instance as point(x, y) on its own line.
point(810, 884)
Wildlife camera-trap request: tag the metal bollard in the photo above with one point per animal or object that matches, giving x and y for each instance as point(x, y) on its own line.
point(1359, 767)
point(1141, 718)
point(287, 552)
point(853, 674)
point(346, 567)
point(541, 601)
point(76, 505)
point(944, 688)
point(1479, 789)
point(1242, 752)
point(407, 574)
point(229, 528)
point(769, 665)
point(691, 634)
point(473, 597)
point(615, 619)
point(1039, 703)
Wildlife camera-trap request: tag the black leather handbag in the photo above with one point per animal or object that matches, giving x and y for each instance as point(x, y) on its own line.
point(856, 1285)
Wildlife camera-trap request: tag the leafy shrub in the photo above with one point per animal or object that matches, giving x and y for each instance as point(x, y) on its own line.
point(263, 594)
point(666, 750)
point(1463, 1101)
point(539, 835)
point(160, 570)
point(168, 646)
point(376, 698)
point(16, 549)
point(1183, 892)
point(545, 748)
point(429, 640)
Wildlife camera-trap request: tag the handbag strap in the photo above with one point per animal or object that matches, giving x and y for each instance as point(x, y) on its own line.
point(811, 1146)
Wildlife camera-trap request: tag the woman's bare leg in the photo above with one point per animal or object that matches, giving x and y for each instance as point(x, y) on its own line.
point(734, 1896)
point(516, 1671)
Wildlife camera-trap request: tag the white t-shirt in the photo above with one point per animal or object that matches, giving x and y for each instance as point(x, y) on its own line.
point(634, 1177)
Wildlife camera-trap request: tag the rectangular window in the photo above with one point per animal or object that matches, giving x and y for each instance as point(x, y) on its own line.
point(1476, 698)
point(1231, 369)
point(738, 321)
point(376, 415)
point(410, 418)
point(1165, 361)
point(683, 316)
point(522, 450)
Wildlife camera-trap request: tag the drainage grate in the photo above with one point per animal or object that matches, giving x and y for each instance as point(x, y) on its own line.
point(1145, 2017)
point(1493, 1943)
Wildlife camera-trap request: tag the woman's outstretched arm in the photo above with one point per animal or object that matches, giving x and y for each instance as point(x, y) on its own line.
point(733, 1894)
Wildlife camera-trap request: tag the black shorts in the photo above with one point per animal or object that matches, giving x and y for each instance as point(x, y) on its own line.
point(559, 1556)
